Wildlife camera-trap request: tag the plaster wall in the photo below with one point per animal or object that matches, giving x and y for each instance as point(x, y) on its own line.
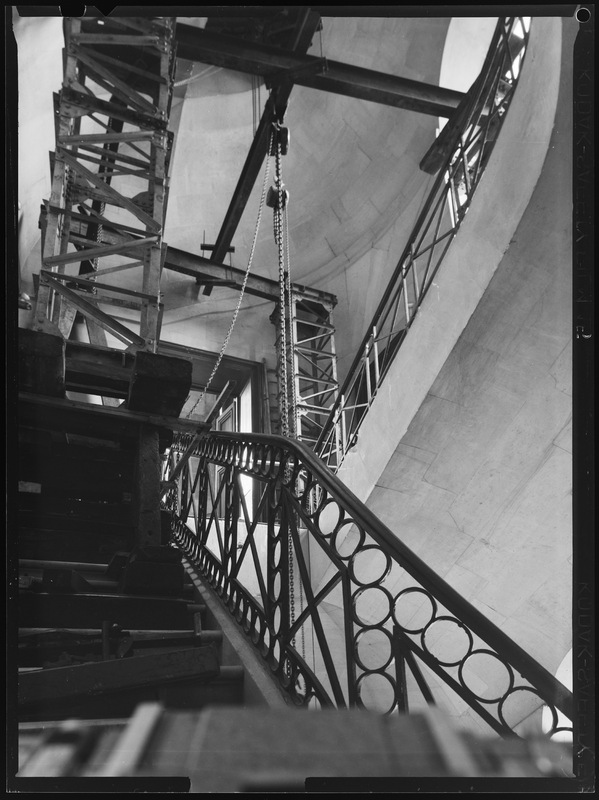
point(478, 482)
point(484, 237)
point(39, 45)
point(352, 173)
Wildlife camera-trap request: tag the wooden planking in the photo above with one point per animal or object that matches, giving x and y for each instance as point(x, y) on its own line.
point(153, 577)
point(47, 647)
point(159, 384)
point(100, 480)
point(135, 739)
point(349, 743)
point(76, 515)
point(44, 544)
point(41, 362)
point(90, 610)
point(146, 497)
point(97, 678)
point(53, 413)
point(112, 513)
point(82, 525)
point(30, 460)
point(85, 378)
point(41, 461)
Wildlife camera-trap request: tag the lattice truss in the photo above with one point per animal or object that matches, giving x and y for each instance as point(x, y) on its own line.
point(105, 216)
point(311, 366)
point(314, 369)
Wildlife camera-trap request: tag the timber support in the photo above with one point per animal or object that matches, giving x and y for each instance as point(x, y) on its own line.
point(109, 185)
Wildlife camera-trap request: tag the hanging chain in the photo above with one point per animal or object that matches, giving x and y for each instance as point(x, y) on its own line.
point(282, 349)
point(99, 232)
point(173, 494)
point(242, 291)
point(291, 333)
point(294, 404)
point(278, 231)
point(287, 387)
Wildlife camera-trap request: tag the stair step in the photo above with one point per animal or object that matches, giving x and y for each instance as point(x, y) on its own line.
point(32, 502)
point(184, 695)
point(40, 609)
point(65, 684)
point(36, 543)
point(79, 566)
point(92, 584)
point(47, 647)
point(136, 634)
point(148, 677)
point(68, 576)
point(85, 525)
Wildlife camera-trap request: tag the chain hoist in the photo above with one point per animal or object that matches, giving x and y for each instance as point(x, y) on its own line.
point(278, 199)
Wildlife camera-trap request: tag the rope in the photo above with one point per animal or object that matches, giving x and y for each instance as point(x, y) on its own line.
point(242, 291)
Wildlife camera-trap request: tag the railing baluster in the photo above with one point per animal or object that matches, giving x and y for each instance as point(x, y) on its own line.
point(367, 563)
point(375, 350)
point(405, 292)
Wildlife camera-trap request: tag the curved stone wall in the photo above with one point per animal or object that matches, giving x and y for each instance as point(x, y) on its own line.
point(478, 483)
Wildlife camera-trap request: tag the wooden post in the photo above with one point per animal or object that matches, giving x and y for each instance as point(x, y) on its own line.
point(101, 677)
point(41, 362)
point(159, 384)
point(147, 521)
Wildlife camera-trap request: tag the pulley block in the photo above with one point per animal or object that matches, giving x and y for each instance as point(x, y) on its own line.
point(280, 136)
point(275, 200)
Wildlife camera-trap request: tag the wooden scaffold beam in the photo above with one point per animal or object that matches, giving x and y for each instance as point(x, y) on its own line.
point(109, 180)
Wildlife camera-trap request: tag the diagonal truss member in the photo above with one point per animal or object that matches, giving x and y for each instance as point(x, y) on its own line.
point(109, 180)
point(311, 365)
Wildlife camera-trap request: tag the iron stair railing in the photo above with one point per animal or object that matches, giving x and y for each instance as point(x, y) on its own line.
point(460, 155)
point(258, 514)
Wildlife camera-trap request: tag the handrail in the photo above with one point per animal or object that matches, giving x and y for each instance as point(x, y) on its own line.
point(467, 142)
point(374, 571)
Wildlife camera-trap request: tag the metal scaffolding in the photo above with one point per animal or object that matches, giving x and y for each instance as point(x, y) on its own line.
point(311, 366)
point(109, 181)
